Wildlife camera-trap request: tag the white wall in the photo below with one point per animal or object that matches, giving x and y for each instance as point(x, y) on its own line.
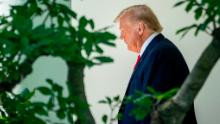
point(112, 79)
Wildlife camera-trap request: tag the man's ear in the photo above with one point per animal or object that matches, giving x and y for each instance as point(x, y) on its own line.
point(141, 28)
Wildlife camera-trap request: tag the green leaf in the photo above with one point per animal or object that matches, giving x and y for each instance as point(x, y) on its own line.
point(60, 20)
point(40, 32)
point(25, 44)
point(38, 104)
point(108, 36)
point(197, 31)
point(70, 118)
point(33, 8)
point(60, 113)
point(62, 102)
point(119, 116)
point(186, 29)
point(109, 43)
point(66, 10)
point(103, 59)
point(50, 81)
point(206, 23)
point(167, 95)
point(116, 98)
point(104, 119)
point(2, 114)
point(203, 26)
point(3, 20)
point(142, 107)
point(152, 90)
point(58, 89)
point(189, 6)
point(44, 90)
point(50, 103)
point(91, 22)
point(90, 63)
point(99, 49)
point(209, 10)
point(22, 23)
point(39, 108)
point(26, 94)
point(41, 111)
point(88, 47)
point(33, 120)
point(103, 101)
point(198, 13)
point(109, 101)
point(179, 3)
point(82, 23)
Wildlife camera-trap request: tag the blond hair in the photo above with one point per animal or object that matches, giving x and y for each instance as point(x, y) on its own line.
point(141, 13)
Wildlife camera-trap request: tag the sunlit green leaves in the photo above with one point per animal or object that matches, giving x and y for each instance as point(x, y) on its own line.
point(20, 106)
point(54, 35)
point(22, 24)
point(66, 11)
point(144, 103)
point(41, 32)
point(61, 39)
point(113, 103)
point(185, 30)
point(206, 14)
point(83, 22)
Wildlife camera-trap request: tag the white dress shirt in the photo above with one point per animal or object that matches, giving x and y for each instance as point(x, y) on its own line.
point(147, 42)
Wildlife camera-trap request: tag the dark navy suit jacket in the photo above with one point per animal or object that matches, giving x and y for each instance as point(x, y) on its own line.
point(162, 67)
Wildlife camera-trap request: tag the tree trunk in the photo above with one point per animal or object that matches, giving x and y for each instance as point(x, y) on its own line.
point(173, 111)
point(77, 92)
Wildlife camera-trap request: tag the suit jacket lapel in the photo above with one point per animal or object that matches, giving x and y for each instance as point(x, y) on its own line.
point(147, 50)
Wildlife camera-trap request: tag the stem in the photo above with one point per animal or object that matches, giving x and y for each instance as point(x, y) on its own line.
point(45, 19)
point(111, 115)
point(207, 32)
point(173, 111)
point(76, 89)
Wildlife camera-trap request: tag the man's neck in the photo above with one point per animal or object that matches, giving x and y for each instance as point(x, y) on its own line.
point(144, 38)
point(147, 42)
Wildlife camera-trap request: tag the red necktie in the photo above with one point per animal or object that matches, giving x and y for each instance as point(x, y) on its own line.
point(138, 59)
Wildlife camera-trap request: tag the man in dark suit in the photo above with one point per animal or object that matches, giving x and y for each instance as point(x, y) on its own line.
point(160, 64)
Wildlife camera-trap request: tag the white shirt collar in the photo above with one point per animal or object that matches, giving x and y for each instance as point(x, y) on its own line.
point(147, 42)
